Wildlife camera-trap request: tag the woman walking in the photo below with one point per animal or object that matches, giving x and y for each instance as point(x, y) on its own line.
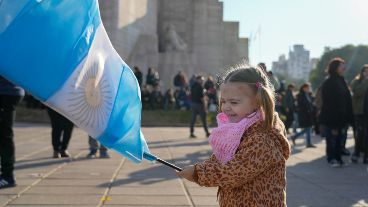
point(305, 115)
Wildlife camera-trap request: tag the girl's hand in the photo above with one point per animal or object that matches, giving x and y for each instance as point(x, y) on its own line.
point(187, 173)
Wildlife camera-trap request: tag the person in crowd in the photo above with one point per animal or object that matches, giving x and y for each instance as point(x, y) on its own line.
point(249, 146)
point(305, 115)
point(273, 79)
point(336, 112)
point(289, 106)
point(192, 80)
point(138, 74)
point(169, 100)
point(316, 126)
point(94, 146)
point(182, 98)
point(199, 106)
point(319, 128)
point(359, 87)
point(61, 133)
point(10, 96)
point(211, 93)
point(146, 95)
point(156, 98)
point(156, 78)
point(152, 78)
point(209, 83)
point(279, 97)
point(180, 81)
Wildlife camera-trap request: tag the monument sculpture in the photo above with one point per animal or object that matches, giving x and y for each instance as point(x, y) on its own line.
point(173, 41)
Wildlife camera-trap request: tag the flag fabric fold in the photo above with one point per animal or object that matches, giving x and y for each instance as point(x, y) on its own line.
point(59, 51)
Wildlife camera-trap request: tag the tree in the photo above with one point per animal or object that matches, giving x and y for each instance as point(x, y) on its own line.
point(355, 57)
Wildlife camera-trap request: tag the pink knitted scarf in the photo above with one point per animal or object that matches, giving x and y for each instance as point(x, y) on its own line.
point(225, 139)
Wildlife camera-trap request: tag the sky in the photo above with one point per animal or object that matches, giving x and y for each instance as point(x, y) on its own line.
point(276, 25)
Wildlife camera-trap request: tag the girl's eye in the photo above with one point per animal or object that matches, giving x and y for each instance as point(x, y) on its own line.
point(234, 103)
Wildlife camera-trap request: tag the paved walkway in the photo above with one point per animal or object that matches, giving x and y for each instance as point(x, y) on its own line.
point(43, 181)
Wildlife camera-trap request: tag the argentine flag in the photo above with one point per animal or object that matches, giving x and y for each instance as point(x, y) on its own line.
point(59, 51)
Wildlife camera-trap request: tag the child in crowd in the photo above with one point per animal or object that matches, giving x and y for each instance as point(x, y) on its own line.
point(250, 148)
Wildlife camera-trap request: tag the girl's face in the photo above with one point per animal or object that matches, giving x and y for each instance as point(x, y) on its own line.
point(238, 100)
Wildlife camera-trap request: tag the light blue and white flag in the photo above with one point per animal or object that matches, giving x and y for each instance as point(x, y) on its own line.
point(58, 50)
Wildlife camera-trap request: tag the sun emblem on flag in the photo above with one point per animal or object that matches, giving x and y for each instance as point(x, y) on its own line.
point(91, 96)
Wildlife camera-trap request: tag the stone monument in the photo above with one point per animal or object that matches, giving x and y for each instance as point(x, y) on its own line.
point(173, 35)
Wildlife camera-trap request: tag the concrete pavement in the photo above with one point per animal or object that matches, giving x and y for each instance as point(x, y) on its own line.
point(43, 181)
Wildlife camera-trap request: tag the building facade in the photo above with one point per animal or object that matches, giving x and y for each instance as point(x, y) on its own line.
point(298, 65)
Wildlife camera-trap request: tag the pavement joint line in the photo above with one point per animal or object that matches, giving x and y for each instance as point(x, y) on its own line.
point(182, 183)
point(105, 196)
point(33, 153)
point(39, 180)
point(32, 140)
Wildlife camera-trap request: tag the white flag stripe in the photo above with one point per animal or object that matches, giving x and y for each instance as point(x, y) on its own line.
point(87, 97)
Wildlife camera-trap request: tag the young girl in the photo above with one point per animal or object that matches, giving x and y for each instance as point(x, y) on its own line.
point(250, 148)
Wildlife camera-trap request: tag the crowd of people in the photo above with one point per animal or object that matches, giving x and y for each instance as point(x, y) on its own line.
point(178, 97)
point(329, 112)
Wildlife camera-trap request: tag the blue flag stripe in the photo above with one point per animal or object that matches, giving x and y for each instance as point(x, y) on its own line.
point(60, 58)
point(123, 134)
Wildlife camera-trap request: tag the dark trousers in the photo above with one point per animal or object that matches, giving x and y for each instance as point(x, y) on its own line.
point(7, 147)
point(93, 145)
point(198, 109)
point(61, 128)
point(289, 119)
point(334, 137)
point(361, 136)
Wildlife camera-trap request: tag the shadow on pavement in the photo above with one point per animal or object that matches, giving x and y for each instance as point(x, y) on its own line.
point(159, 173)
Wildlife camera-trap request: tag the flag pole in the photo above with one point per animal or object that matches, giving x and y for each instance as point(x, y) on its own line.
point(151, 157)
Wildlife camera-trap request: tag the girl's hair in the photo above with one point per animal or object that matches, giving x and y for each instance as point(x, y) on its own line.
point(360, 77)
point(333, 65)
point(258, 80)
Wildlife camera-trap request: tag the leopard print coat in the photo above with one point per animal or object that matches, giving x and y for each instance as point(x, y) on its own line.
point(256, 174)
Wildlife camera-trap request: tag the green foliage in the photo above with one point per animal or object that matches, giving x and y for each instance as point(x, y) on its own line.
point(355, 57)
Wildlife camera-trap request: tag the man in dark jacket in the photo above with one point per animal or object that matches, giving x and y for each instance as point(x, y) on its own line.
point(10, 96)
point(199, 106)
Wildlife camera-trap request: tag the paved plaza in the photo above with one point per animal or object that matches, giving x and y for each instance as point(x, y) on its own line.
point(81, 182)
